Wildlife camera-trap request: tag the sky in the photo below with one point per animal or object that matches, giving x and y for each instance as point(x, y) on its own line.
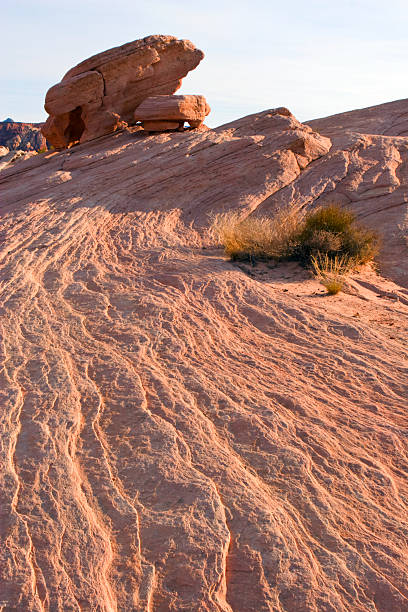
point(316, 57)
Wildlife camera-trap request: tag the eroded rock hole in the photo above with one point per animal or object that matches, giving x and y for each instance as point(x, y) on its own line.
point(75, 127)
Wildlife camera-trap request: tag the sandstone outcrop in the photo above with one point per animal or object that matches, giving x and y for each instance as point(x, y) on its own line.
point(22, 136)
point(179, 433)
point(160, 113)
point(365, 169)
point(101, 93)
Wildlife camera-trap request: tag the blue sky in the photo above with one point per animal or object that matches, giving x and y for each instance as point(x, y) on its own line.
point(317, 57)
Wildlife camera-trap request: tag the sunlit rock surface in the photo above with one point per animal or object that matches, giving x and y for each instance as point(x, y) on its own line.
point(179, 433)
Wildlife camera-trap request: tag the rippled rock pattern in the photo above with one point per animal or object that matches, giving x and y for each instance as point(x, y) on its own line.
point(181, 434)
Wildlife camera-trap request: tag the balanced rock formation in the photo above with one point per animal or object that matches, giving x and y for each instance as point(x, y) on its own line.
point(162, 113)
point(179, 433)
point(101, 93)
point(22, 136)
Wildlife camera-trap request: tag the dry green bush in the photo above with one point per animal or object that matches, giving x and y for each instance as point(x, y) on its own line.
point(333, 230)
point(327, 239)
point(290, 234)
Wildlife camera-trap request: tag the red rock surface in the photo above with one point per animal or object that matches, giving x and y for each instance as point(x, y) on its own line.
point(22, 136)
point(179, 433)
point(100, 94)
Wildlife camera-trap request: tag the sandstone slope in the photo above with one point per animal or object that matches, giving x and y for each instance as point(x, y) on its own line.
point(179, 433)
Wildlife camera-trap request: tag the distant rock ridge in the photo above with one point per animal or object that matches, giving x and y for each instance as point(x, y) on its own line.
point(21, 136)
point(389, 119)
point(100, 94)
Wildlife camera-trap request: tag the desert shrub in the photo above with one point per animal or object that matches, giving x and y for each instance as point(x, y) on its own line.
point(334, 231)
point(331, 218)
point(331, 231)
point(360, 243)
point(257, 237)
point(319, 241)
point(332, 271)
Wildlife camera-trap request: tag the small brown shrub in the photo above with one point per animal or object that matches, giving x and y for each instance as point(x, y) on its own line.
point(290, 234)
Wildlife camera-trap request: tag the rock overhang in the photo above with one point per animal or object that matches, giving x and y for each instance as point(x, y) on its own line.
point(100, 94)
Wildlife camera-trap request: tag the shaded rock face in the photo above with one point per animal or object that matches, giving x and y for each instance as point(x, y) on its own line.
point(23, 136)
point(178, 434)
point(101, 93)
point(175, 110)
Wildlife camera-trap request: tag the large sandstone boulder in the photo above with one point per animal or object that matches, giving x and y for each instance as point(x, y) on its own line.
point(158, 111)
point(101, 93)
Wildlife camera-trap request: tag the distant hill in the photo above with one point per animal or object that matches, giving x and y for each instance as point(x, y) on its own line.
point(23, 136)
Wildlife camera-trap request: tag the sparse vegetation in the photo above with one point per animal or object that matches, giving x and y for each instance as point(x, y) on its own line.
point(333, 231)
point(328, 240)
point(290, 234)
point(257, 237)
point(332, 271)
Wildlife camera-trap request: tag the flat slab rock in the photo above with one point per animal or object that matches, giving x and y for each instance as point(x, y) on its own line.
point(156, 109)
point(100, 94)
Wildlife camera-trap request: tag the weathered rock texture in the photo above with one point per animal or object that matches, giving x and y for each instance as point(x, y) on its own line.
point(155, 111)
point(22, 136)
point(366, 169)
point(176, 433)
point(101, 93)
point(8, 158)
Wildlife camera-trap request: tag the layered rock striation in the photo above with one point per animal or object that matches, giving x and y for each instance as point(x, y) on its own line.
point(100, 94)
point(179, 433)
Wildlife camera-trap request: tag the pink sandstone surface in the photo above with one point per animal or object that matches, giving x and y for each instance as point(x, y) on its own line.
point(99, 95)
point(181, 433)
